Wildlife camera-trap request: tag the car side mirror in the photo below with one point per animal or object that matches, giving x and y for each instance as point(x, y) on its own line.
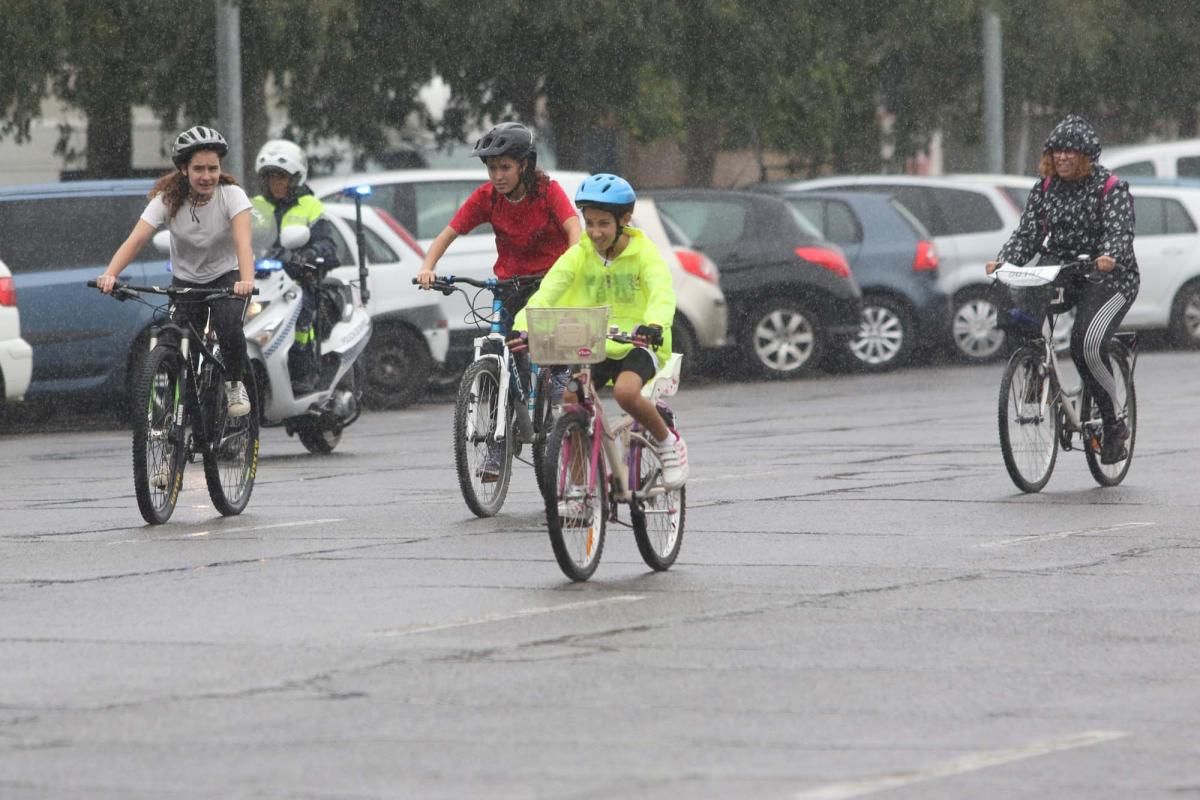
point(162, 242)
point(293, 237)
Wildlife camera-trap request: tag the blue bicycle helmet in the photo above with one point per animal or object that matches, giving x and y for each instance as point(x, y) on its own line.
point(605, 190)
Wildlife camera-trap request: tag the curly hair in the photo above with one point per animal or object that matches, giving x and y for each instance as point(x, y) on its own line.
point(174, 188)
point(1083, 167)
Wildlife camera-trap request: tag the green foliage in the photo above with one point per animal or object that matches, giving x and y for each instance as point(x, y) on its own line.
point(805, 78)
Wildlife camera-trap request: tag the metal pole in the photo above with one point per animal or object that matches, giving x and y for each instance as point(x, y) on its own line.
point(993, 93)
point(229, 83)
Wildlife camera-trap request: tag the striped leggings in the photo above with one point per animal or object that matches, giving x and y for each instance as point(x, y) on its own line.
point(1098, 314)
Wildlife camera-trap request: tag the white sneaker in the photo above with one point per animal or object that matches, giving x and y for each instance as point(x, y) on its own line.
point(573, 510)
point(673, 455)
point(160, 479)
point(239, 401)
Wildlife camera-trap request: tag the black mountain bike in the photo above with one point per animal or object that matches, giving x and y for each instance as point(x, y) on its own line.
point(180, 413)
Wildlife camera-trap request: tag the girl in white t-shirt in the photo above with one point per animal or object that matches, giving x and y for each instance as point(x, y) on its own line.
point(208, 215)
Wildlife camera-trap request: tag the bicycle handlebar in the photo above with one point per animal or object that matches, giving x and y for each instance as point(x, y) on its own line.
point(446, 285)
point(128, 290)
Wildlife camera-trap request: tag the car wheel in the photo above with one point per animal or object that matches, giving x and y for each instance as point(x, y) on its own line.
point(398, 368)
point(885, 338)
point(783, 339)
point(683, 341)
point(1185, 316)
point(973, 329)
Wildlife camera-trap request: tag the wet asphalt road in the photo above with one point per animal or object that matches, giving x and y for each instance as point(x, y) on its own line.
point(864, 606)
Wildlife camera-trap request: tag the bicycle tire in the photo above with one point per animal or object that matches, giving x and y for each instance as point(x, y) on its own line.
point(1029, 433)
point(578, 542)
point(1126, 401)
point(543, 420)
point(231, 453)
point(658, 525)
point(474, 427)
point(159, 440)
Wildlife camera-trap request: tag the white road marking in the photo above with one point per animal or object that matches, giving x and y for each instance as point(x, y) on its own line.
point(507, 615)
point(957, 766)
point(296, 524)
point(1042, 537)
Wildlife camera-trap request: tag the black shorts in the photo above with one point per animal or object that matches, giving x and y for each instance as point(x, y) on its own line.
point(637, 360)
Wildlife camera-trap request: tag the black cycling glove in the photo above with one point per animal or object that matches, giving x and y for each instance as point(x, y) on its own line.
point(651, 333)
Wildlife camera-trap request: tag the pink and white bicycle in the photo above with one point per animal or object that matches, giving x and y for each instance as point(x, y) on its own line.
point(593, 468)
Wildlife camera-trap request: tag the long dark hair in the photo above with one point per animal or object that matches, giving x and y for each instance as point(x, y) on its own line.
point(174, 188)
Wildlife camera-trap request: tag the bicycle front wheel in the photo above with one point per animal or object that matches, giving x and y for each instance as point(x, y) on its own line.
point(658, 524)
point(543, 420)
point(484, 465)
point(1029, 425)
point(1125, 405)
point(159, 435)
point(231, 458)
point(576, 510)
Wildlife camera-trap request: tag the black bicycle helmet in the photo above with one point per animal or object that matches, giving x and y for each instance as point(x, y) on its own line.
point(507, 139)
point(194, 139)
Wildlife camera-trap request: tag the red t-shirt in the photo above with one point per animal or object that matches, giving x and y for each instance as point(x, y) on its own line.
point(529, 233)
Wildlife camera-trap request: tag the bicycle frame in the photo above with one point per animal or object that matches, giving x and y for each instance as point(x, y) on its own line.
point(615, 440)
point(193, 368)
point(509, 374)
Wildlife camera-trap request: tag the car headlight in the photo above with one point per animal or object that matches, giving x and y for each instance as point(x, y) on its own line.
point(255, 308)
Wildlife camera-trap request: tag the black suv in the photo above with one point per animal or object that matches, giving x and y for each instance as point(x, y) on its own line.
point(792, 300)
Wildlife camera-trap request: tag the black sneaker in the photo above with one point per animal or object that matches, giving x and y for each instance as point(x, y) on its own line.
point(1112, 447)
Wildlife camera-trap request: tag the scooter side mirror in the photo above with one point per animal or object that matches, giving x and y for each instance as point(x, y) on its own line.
point(293, 237)
point(162, 242)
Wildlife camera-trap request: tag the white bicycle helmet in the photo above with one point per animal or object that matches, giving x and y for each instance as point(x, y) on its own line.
point(285, 156)
point(195, 138)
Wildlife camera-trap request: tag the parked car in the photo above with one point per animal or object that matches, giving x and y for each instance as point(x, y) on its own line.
point(424, 201)
point(56, 237)
point(969, 221)
point(792, 298)
point(16, 356)
point(895, 262)
point(1167, 244)
point(1180, 159)
point(409, 330)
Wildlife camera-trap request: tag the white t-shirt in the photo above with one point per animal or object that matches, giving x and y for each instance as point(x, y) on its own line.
point(201, 236)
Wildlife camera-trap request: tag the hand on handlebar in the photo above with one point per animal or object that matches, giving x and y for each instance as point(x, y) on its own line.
point(1106, 263)
point(517, 342)
point(105, 283)
point(425, 278)
point(652, 334)
point(243, 288)
point(991, 266)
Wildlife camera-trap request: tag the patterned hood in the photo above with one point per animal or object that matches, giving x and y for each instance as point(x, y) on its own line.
point(1074, 133)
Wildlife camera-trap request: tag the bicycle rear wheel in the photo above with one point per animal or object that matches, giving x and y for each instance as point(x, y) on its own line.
point(1029, 427)
point(1125, 404)
point(231, 458)
point(474, 440)
point(576, 513)
point(658, 525)
point(159, 435)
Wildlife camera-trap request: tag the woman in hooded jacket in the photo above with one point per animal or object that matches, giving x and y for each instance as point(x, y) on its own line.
point(1079, 208)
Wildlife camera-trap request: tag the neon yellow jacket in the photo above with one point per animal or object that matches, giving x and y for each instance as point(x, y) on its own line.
point(636, 286)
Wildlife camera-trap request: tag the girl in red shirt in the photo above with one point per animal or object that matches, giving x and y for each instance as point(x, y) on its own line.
point(533, 220)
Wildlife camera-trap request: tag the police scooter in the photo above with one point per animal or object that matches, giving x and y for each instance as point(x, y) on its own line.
point(343, 329)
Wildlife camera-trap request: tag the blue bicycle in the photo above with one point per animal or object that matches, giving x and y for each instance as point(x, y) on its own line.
point(495, 415)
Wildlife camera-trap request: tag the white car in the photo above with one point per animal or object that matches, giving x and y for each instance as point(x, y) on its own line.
point(1179, 159)
point(1167, 244)
point(425, 200)
point(969, 222)
point(410, 335)
point(16, 356)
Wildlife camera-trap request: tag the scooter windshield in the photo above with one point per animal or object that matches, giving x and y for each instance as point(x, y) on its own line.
point(264, 239)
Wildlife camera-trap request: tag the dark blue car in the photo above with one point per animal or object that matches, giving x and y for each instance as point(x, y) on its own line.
point(893, 259)
point(55, 238)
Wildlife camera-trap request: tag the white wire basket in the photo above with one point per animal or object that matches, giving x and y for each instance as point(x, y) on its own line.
point(567, 335)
